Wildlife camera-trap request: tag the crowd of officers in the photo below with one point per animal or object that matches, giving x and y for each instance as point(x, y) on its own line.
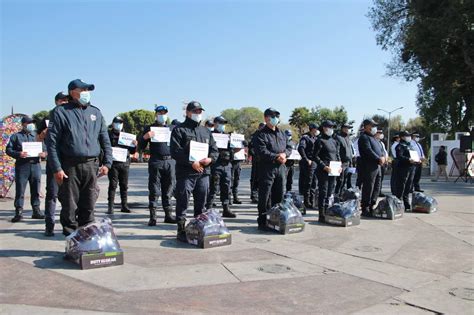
point(79, 146)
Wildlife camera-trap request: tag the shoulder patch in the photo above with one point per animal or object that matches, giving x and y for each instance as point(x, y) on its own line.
point(93, 117)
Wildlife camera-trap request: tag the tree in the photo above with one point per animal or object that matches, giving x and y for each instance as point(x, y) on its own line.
point(432, 41)
point(39, 116)
point(300, 118)
point(244, 120)
point(135, 121)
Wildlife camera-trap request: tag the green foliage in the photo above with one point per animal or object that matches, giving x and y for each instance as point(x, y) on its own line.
point(301, 117)
point(39, 116)
point(244, 120)
point(135, 121)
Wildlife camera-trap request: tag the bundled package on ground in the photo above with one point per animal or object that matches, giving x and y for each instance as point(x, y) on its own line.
point(94, 245)
point(423, 203)
point(285, 218)
point(350, 194)
point(390, 208)
point(343, 213)
point(297, 201)
point(208, 230)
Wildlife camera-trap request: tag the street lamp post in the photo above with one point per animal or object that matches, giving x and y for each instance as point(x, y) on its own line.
point(389, 116)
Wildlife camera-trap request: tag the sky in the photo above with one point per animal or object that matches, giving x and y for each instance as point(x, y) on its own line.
point(224, 54)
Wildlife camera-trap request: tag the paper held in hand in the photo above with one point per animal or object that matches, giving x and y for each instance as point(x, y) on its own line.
point(239, 155)
point(295, 155)
point(351, 170)
point(119, 154)
point(33, 149)
point(126, 139)
point(198, 151)
point(236, 140)
point(162, 134)
point(222, 140)
point(414, 156)
point(335, 167)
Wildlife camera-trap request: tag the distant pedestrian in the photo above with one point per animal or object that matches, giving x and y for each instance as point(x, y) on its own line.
point(441, 159)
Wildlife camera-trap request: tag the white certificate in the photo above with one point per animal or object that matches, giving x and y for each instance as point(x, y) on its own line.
point(162, 134)
point(295, 155)
point(414, 156)
point(335, 167)
point(222, 140)
point(32, 148)
point(127, 139)
point(239, 155)
point(198, 151)
point(351, 170)
point(119, 154)
point(47, 123)
point(236, 140)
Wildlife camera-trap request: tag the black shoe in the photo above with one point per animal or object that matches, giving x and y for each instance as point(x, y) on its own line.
point(227, 213)
point(125, 209)
point(169, 218)
point(382, 195)
point(110, 209)
point(419, 190)
point(366, 214)
point(17, 218)
point(49, 232)
point(37, 215)
point(214, 204)
point(152, 222)
point(237, 201)
point(321, 218)
point(181, 235)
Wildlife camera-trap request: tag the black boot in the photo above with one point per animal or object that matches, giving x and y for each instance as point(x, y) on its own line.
point(226, 213)
point(307, 202)
point(125, 207)
point(237, 200)
point(152, 221)
point(37, 214)
point(49, 231)
point(111, 200)
point(181, 236)
point(18, 215)
point(321, 218)
point(169, 218)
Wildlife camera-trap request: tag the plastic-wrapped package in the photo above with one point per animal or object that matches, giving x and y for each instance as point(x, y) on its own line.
point(389, 208)
point(343, 213)
point(94, 245)
point(350, 194)
point(423, 203)
point(297, 201)
point(285, 217)
point(208, 230)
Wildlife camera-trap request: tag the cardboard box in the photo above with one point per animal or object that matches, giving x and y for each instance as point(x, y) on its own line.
point(286, 228)
point(355, 220)
point(385, 215)
point(99, 260)
point(212, 241)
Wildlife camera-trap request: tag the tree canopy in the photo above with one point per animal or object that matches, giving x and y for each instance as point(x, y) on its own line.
point(301, 117)
point(244, 120)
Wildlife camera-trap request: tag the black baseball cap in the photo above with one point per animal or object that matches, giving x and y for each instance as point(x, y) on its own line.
point(161, 108)
point(327, 123)
point(270, 112)
point(118, 119)
point(313, 126)
point(415, 134)
point(209, 123)
point(379, 130)
point(369, 122)
point(60, 96)
point(78, 83)
point(27, 120)
point(346, 126)
point(220, 120)
point(193, 105)
point(404, 134)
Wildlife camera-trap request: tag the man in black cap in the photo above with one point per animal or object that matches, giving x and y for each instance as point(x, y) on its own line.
point(221, 172)
point(405, 169)
point(272, 148)
point(371, 158)
point(415, 145)
point(254, 170)
point(308, 180)
point(27, 169)
point(192, 177)
point(77, 134)
point(235, 178)
point(345, 153)
point(290, 164)
point(395, 143)
point(326, 150)
point(161, 168)
point(118, 174)
point(51, 185)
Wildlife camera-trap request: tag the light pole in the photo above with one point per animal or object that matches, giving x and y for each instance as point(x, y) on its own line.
point(389, 116)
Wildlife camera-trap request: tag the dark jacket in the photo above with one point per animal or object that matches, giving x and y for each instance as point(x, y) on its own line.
point(14, 147)
point(225, 155)
point(345, 147)
point(269, 144)
point(403, 154)
point(181, 138)
point(441, 158)
point(252, 147)
point(158, 150)
point(77, 131)
point(306, 147)
point(290, 163)
point(326, 149)
point(114, 137)
point(370, 151)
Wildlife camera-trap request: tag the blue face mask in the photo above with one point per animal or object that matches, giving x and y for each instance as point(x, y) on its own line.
point(220, 128)
point(118, 126)
point(211, 129)
point(274, 121)
point(161, 119)
point(84, 97)
point(30, 127)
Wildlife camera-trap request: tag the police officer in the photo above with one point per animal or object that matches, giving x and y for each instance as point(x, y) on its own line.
point(371, 158)
point(308, 179)
point(76, 135)
point(221, 172)
point(395, 143)
point(51, 185)
point(161, 168)
point(383, 168)
point(326, 149)
point(290, 164)
point(118, 174)
point(27, 169)
point(415, 145)
point(235, 176)
point(405, 169)
point(254, 170)
point(210, 125)
point(192, 177)
point(345, 152)
point(272, 148)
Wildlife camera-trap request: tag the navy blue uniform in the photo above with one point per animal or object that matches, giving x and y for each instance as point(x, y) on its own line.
point(326, 149)
point(27, 170)
point(405, 173)
point(118, 174)
point(369, 170)
point(254, 169)
point(188, 181)
point(345, 152)
point(221, 176)
point(308, 180)
point(268, 145)
point(76, 136)
point(290, 169)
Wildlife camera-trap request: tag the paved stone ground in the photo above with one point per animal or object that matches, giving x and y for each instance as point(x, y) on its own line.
point(422, 263)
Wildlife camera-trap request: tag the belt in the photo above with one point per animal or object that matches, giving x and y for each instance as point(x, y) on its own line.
point(80, 159)
point(164, 157)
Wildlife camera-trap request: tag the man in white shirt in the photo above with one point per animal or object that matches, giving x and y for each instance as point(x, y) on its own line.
point(396, 141)
point(380, 136)
point(415, 145)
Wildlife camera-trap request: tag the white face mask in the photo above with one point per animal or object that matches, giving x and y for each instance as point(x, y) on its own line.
point(118, 126)
point(196, 117)
point(161, 119)
point(373, 131)
point(220, 128)
point(407, 139)
point(381, 137)
point(329, 132)
point(417, 139)
point(84, 97)
point(211, 129)
point(317, 133)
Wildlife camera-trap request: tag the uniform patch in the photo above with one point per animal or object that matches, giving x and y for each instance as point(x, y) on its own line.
point(93, 117)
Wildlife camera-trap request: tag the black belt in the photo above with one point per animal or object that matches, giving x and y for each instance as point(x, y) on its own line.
point(164, 157)
point(80, 159)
